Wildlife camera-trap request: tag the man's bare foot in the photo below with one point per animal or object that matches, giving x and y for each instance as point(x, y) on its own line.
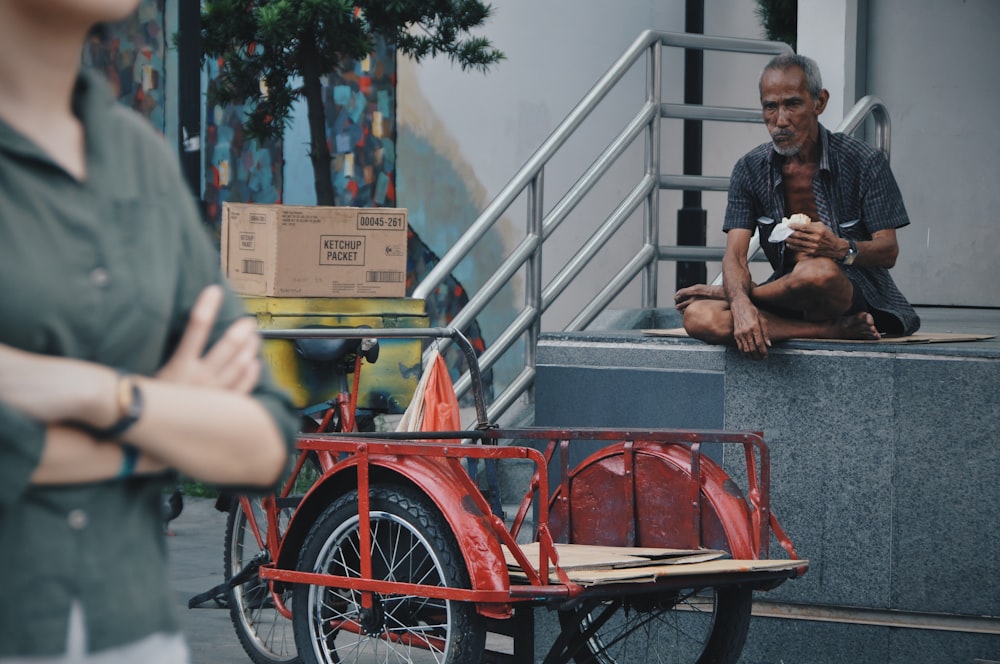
point(686, 296)
point(858, 326)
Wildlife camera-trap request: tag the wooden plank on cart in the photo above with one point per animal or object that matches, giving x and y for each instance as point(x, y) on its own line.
point(590, 565)
point(657, 572)
point(588, 556)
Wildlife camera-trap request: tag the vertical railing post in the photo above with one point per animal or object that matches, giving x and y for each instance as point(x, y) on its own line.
point(533, 278)
point(651, 227)
point(692, 218)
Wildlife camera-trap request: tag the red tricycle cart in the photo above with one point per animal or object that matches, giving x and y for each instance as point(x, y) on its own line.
point(646, 551)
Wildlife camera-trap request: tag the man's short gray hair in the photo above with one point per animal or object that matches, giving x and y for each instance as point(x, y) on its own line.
point(814, 82)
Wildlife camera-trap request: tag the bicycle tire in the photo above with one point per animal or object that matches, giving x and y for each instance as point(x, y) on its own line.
point(331, 625)
point(695, 625)
point(265, 634)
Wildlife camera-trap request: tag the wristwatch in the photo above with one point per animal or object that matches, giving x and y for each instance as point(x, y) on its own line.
point(852, 253)
point(130, 405)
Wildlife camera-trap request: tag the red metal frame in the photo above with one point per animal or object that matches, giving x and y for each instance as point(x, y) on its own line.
point(694, 489)
point(436, 468)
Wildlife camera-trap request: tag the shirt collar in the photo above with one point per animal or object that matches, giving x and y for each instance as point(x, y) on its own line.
point(15, 142)
point(93, 103)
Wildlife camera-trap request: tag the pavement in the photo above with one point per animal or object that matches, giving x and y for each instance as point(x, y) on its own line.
point(195, 547)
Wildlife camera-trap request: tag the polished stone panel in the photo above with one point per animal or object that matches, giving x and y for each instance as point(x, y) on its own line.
point(885, 462)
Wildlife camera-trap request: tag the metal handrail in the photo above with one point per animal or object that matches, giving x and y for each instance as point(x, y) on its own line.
point(869, 106)
point(530, 178)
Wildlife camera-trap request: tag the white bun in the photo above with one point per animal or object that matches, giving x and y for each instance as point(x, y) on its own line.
point(797, 218)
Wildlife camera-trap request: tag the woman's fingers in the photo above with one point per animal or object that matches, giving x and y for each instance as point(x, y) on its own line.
point(233, 362)
point(199, 326)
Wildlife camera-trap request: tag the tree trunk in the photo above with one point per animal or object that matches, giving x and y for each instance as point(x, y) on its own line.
point(319, 150)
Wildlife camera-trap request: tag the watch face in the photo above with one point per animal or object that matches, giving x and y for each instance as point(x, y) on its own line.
point(852, 253)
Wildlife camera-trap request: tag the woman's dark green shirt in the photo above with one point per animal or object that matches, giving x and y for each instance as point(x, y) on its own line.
point(104, 270)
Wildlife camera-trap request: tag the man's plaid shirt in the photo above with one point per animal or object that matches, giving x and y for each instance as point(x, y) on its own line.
point(856, 195)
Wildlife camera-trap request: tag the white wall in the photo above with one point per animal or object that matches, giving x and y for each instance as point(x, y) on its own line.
point(933, 64)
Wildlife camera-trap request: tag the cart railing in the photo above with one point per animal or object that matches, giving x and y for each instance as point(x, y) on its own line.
point(363, 448)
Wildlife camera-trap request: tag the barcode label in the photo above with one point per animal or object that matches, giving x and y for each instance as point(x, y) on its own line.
point(384, 276)
point(252, 266)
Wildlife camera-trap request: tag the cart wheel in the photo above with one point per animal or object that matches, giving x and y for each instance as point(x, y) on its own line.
point(265, 634)
point(411, 543)
point(690, 626)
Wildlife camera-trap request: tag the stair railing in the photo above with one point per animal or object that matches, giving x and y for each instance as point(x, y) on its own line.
point(529, 181)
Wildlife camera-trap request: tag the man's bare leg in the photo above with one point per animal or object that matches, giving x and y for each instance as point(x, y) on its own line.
point(712, 322)
point(816, 286)
point(859, 326)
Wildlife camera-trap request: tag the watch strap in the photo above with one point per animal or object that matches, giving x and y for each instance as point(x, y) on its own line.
point(852, 252)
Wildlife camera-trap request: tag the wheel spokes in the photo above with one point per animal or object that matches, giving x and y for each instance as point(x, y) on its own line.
point(259, 620)
point(657, 630)
point(399, 625)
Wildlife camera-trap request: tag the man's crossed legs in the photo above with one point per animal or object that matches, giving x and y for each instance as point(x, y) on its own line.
point(815, 300)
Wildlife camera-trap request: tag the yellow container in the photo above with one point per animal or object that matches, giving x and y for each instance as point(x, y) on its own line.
point(386, 386)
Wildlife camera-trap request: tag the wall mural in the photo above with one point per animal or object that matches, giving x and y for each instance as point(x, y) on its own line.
point(361, 131)
point(131, 54)
point(237, 169)
point(360, 105)
point(361, 128)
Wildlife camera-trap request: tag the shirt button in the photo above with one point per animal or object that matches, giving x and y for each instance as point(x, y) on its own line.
point(77, 519)
point(100, 277)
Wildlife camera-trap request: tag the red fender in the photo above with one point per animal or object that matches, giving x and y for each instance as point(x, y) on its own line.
point(439, 480)
point(643, 494)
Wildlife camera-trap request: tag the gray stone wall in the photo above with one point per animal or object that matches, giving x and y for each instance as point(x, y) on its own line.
point(885, 462)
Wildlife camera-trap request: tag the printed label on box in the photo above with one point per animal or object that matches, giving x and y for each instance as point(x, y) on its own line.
point(383, 277)
point(342, 250)
point(247, 241)
point(253, 266)
point(383, 221)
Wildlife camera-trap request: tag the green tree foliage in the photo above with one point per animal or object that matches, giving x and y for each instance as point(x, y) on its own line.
point(779, 19)
point(269, 44)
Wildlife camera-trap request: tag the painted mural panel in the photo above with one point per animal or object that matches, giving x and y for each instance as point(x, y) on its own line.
point(360, 106)
point(361, 131)
point(131, 54)
point(360, 127)
point(238, 168)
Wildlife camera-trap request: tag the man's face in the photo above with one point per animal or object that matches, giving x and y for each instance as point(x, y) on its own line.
point(790, 112)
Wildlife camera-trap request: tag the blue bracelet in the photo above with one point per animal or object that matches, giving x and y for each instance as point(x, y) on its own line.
point(130, 456)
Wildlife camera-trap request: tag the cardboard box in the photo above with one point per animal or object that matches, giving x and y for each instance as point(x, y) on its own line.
point(314, 251)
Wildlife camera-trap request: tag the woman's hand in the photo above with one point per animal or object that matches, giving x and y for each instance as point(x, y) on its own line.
point(232, 363)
